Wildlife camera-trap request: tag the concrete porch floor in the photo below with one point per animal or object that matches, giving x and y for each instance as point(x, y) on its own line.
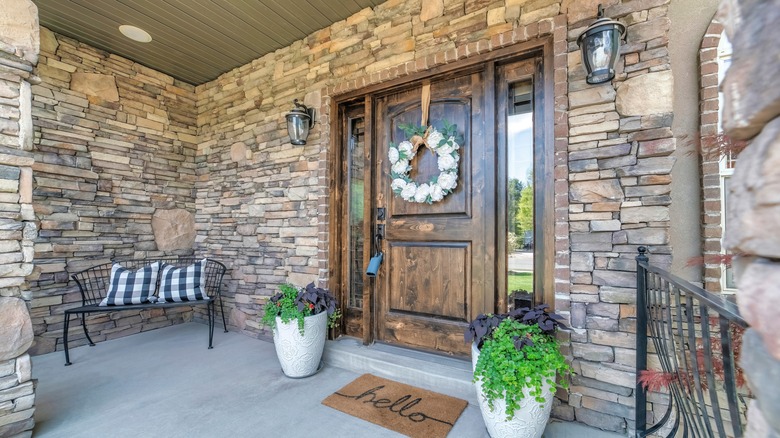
point(166, 383)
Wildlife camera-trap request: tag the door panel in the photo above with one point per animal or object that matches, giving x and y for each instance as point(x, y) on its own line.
point(425, 166)
point(432, 281)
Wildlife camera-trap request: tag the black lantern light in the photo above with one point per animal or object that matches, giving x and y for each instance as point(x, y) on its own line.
point(600, 45)
point(299, 120)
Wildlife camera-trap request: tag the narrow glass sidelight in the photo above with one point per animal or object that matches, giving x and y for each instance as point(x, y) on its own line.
point(520, 222)
point(356, 186)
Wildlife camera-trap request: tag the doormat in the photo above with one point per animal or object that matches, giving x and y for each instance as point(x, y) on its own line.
point(411, 411)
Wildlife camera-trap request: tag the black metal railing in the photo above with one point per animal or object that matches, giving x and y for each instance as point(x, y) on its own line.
point(692, 339)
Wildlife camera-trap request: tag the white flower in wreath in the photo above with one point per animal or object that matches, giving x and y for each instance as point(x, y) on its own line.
point(398, 184)
point(434, 138)
point(447, 162)
point(405, 149)
point(408, 191)
point(437, 193)
point(400, 167)
point(448, 180)
point(422, 192)
point(449, 147)
point(392, 154)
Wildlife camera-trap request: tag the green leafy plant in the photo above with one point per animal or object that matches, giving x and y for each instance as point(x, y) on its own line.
point(518, 351)
point(294, 303)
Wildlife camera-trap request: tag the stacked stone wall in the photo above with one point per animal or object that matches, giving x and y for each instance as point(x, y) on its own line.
point(620, 162)
point(115, 146)
point(18, 230)
point(264, 202)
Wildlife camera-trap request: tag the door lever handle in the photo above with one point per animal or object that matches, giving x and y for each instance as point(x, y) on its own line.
point(378, 237)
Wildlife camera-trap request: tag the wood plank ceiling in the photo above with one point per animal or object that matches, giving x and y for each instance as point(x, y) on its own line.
point(194, 40)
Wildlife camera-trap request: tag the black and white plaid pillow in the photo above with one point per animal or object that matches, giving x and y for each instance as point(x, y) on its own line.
point(131, 287)
point(183, 284)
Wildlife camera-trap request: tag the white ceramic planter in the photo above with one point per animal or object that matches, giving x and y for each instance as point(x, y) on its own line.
point(528, 422)
point(298, 354)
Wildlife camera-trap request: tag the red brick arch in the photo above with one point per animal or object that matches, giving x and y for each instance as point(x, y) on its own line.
point(712, 231)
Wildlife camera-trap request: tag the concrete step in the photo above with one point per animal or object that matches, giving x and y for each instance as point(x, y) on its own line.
point(446, 375)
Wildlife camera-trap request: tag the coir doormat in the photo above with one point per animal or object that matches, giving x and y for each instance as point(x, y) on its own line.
point(411, 411)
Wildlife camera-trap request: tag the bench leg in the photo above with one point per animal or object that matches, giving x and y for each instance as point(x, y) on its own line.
point(86, 332)
point(211, 310)
point(65, 339)
point(222, 310)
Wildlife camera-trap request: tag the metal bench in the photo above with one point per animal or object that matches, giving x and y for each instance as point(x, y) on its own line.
point(93, 284)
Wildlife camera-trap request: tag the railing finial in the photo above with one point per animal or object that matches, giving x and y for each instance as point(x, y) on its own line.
point(642, 257)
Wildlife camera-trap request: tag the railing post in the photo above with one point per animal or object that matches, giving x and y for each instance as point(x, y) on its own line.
point(641, 341)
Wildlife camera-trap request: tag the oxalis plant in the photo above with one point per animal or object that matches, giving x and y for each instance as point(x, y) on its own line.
point(518, 351)
point(293, 303)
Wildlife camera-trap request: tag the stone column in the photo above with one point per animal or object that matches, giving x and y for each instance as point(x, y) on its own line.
point(19, 43)
point(752, 112)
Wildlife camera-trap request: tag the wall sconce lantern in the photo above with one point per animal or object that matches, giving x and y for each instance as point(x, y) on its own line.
point(600, 45)
point(299, 120)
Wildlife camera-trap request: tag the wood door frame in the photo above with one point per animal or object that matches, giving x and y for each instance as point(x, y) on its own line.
point(544, 265)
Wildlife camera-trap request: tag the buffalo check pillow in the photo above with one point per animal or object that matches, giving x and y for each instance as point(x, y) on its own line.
point(131, 287)
point(183, 284)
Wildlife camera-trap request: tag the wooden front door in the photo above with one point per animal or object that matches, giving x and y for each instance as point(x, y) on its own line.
point(445, 262)
point(438, 258)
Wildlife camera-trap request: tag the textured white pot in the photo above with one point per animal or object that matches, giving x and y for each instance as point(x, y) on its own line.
point(528, 422)
point(299, 354)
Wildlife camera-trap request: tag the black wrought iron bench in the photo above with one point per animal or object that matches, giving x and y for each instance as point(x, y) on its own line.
point(94, 283)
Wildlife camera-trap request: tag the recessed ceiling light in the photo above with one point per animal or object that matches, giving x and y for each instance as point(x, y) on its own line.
point(135, 33)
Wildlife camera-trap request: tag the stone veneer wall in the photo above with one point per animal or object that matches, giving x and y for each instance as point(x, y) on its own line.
point(620, 146)
point(752, 113)
point(712, 232)
point(18, 55)
point(115, 144)
point(264, 202)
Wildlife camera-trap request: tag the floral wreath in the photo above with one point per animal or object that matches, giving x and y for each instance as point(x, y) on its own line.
point(444, 144)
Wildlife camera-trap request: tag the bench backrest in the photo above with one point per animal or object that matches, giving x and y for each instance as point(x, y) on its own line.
point(93, 282)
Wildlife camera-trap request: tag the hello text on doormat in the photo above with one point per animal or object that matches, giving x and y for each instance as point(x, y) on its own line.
point(405, 409)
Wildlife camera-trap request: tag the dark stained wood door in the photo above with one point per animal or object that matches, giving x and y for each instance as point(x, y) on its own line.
point(439, 262)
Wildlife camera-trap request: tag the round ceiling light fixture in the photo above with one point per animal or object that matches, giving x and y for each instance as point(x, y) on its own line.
point(135, 33)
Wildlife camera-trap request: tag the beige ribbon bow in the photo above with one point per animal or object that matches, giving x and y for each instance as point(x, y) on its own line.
point(417, 140)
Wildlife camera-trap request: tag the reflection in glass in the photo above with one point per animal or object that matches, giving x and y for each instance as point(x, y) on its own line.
point(600, 56)
point(355, 175)
point(520, 195)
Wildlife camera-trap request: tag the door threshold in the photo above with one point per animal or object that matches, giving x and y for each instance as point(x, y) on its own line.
point(446, 375)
